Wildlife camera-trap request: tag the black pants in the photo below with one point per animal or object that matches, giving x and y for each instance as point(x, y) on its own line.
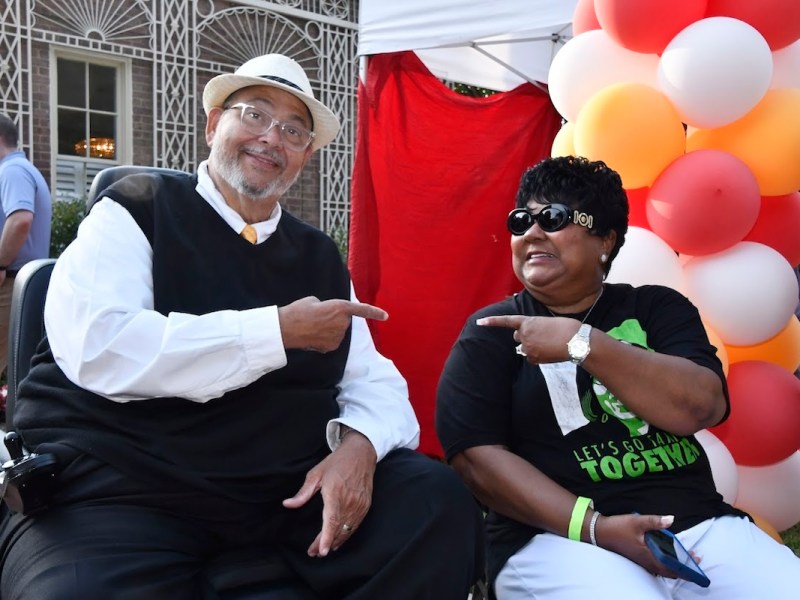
point(108, 540)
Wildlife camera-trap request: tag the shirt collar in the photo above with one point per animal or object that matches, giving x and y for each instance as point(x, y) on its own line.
point(12, 154)
point(210, 193)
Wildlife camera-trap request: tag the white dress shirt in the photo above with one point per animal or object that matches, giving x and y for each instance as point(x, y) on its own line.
point(107, 338)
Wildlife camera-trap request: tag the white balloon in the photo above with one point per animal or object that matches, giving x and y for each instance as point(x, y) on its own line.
point(786, 67)
point(646, 259)
point(715, 71)
point(723, 466)
point(590, 62)
point(772, 492)
point(746, 293)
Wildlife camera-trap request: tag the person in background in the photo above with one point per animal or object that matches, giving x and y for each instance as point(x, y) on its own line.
point(209, 384)
point(572, 406)
point(24, 221)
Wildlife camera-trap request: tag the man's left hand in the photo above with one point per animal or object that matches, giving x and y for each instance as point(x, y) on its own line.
point(344, 479)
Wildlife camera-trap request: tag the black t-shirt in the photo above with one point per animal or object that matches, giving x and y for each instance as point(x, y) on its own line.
point(582, 436)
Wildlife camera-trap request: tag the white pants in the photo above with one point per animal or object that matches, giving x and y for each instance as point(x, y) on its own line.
point(742, 562)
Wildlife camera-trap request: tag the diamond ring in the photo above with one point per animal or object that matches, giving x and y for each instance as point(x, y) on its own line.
point(520, 351)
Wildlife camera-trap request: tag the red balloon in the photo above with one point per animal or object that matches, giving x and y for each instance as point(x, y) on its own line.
point(637, 207)
point(764, 425)
point(584, 17)
point(777, 225)
point(647, 25)
point(703, 202)
point(777, 20)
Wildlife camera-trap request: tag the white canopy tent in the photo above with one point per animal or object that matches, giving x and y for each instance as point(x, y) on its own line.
point(496, 44)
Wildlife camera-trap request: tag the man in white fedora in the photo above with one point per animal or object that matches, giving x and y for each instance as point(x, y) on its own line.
point(209, 384)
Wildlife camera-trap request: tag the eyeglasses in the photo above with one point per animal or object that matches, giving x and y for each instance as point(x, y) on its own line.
point(553, 217)
point(259, 122)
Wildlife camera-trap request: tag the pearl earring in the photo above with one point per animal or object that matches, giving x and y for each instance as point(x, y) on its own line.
point(603, 258)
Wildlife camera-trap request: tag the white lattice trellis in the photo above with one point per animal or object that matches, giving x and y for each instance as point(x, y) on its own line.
point(15, 60)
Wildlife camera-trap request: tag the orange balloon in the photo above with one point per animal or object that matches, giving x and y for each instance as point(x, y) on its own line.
point(767, 139)
point(765, 526)
point(722, 352)
point(633, 128)
point(563, 142)
point(782, 349)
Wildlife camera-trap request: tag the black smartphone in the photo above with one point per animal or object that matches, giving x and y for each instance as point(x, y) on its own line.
point(668, 549)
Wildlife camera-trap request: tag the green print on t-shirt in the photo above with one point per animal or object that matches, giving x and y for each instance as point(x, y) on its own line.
point(649, 453)
point(629, 332)
point(645, 452)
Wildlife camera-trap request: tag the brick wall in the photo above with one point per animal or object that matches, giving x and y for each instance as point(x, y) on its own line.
point(142, 109)
point(40, 107)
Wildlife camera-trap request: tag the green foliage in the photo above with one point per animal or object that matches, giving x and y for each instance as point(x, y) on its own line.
point(791, 537)
point(472, 90)
point(339, 235)
point(68, 212)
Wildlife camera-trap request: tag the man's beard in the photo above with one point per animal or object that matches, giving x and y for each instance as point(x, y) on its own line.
point(227, 167)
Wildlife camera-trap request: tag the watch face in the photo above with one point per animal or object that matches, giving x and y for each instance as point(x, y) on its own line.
point(578, 348)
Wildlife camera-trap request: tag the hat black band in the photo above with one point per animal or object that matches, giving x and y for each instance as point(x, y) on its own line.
point(291, 85)
point(283, 81)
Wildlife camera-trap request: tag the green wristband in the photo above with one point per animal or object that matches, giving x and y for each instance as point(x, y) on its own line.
point(582, 504)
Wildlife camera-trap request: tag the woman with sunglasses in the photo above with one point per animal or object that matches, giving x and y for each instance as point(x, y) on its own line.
point(570, 408)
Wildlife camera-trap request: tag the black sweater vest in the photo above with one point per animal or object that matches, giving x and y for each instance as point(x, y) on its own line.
point(248, 443)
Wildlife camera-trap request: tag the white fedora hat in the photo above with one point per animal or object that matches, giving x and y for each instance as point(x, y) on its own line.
point(278, 71)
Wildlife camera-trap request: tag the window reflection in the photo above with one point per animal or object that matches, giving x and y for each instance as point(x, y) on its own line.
point(87, 109)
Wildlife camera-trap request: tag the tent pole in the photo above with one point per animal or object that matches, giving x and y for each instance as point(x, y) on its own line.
point(553, 37)
point(517, 72)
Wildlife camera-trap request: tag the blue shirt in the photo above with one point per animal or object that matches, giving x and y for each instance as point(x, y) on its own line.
point(22, 187)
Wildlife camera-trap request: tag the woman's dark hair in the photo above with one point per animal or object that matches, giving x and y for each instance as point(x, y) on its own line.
point(589, 186)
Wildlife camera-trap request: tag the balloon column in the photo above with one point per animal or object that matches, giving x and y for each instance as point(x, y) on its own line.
point(696, 104)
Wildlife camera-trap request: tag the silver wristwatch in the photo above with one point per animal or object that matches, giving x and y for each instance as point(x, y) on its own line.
point(578, 347)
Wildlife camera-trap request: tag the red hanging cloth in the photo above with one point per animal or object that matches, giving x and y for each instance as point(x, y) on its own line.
point(435, 175)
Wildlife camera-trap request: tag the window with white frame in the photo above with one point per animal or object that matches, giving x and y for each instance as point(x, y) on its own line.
point(89, 99)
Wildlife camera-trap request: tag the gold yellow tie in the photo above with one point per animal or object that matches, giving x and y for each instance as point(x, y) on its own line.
point(249, 233)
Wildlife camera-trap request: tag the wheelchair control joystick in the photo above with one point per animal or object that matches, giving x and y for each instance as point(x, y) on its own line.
point(27, 479)
point(14, 445)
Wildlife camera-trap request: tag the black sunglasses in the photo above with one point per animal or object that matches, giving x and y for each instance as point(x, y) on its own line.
point(553, 217)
